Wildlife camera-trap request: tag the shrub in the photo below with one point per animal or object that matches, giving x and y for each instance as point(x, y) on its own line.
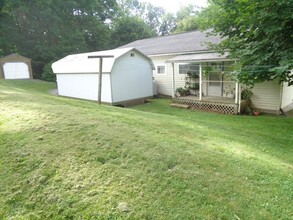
point(47, 74)
point(246, 94)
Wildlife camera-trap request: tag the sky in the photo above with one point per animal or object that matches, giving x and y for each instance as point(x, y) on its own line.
point(174, 5)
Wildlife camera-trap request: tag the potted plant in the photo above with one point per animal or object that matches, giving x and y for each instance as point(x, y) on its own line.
point(182, 91)
point(193, 88)
point(191, 82)
point(229, 92)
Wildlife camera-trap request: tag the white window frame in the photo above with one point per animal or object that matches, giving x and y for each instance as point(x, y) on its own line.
point(160, 74)
point(178, 67)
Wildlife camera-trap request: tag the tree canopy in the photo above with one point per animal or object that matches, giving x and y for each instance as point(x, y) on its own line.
point(128, 29)
point(47, 30)
point(186, 18)
point(258, 33)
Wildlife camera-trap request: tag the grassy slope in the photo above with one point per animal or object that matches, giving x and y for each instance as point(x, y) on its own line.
point(66, 158)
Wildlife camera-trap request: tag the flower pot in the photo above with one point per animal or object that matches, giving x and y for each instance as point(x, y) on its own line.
point(231, 96)
point(193, 91)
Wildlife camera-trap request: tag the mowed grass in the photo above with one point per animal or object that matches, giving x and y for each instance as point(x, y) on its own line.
point(64, 158)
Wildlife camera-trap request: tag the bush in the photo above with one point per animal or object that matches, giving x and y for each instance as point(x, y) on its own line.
point(47, 74)
point(246, 94)
point(182, 91)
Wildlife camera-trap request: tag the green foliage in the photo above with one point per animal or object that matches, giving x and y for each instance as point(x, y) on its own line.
point(168, 24)
point(48, 30)
point(191, 81)
point(259, 33)
point(186, 19)
point(128, 29)
point(47, 74)
point(182, 91)
point(150, 14)
point(246, 94)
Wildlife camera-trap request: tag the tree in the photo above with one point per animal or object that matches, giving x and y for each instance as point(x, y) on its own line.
point(155, 17)
point(258, 33)
point(47, 30)
point(168, 24)
point(186, 18)
point(128, 29)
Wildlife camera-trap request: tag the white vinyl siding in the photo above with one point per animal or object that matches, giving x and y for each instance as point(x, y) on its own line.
point(164, 80)
point(266, 96)
point(131, 78)
point(84, 86)
point(179, 78)
point(287, 97)
point(127, 75)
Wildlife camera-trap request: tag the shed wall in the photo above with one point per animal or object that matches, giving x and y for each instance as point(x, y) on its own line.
point(131, 77)
point(84, 86)
point(266, 96)
point(287, 97)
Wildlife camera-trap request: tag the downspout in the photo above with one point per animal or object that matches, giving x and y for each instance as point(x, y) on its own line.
point(173, 81)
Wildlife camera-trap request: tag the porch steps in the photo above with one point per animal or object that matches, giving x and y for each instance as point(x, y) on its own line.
point(177, 105)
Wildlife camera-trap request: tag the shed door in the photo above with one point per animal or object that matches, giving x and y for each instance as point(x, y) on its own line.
point(215, 85)
point(16, 71)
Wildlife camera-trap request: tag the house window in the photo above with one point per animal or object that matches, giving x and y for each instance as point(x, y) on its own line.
point(132, 54)
point(161, 69)
point(185, 68)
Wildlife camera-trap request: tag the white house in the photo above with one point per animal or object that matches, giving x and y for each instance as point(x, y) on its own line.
point(126, 76)
point(174, 56)
point(15, 66)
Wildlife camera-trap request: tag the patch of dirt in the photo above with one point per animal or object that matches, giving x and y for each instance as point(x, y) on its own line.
point(53, 91)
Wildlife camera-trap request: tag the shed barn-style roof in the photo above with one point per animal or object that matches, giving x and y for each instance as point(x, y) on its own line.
point(80, 63)
point(188, 42)
point(15, 57)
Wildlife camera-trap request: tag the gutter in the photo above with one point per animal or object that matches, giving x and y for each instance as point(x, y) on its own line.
point(183, 53)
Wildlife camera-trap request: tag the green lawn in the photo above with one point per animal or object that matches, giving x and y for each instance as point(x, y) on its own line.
point(63, 158)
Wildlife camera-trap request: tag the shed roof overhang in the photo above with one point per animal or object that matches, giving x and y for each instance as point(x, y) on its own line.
point(199, 58)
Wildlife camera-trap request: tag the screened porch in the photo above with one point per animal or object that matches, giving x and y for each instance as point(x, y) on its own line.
point(205, 81)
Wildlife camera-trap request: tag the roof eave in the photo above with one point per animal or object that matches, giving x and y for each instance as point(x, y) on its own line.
point(200, 61)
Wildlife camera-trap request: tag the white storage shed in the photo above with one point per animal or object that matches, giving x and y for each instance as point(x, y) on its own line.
point(15, 66)
point(126, 77)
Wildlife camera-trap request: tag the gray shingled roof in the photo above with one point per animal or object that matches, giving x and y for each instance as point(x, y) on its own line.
point(193, 41)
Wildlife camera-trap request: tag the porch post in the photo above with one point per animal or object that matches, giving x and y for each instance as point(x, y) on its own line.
point(173, 81)
point(236, 93)
point(200, 81)
point(239, 105)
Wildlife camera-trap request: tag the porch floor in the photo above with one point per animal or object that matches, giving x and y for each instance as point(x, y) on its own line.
point(209, 99)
